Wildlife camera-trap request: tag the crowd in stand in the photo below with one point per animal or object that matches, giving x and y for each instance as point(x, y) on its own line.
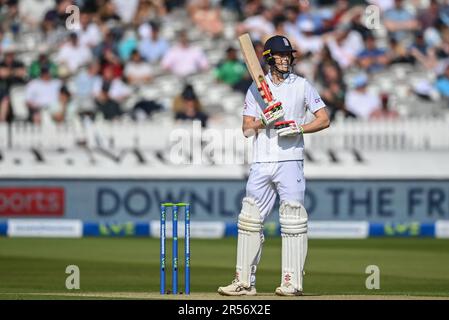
point(117, 47)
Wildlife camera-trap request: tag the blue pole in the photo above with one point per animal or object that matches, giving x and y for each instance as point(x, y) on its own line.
point(175, 249)
point(187, 249)
point(162, 250)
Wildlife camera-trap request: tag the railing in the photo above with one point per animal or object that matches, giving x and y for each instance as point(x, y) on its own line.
point(401, 135)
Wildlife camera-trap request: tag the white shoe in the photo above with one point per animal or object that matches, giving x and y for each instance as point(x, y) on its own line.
point(237, 288)
point(286, 289)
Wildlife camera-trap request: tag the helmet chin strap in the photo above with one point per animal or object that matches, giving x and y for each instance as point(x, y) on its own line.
point(283, 74)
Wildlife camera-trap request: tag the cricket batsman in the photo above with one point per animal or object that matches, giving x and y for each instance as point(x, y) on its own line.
point(277, 168)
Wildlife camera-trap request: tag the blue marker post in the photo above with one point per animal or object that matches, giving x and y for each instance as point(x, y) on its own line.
point(175, 249)
point(162, 250)
point(187, 249)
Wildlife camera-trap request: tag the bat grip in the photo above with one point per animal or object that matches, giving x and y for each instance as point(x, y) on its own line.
point(266, 91)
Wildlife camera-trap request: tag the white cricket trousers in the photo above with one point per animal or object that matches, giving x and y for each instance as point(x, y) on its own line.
point(268, 178)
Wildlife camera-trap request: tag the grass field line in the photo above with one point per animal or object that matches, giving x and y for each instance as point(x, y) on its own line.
point(208, 296)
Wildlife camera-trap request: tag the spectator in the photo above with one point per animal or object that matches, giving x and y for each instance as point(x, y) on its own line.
point(183, 59)
point(233, 72)
point(51, 35)
point(126, 9)
point(307, 14)
point(372, 59)
point(40, 94)
point(345, 45)
point(127, 45)
point(428, 17)
point(188, 107)
point(359, 101)
point(208, 19)
point(43, 60)
point(308, 42)
point(6, 112)
point(442, 83)
point(398, 53)
point(149, 9)
point(84, 89)
point(334, 91)
point(73, 55)
point(110, 91)
point(89, 34)
point(137, 71)
point(258, 26)
point(324, 58)
point(64, 110)
point(108, 13)
point(154, 48)
point(399, 21)
point(384, 112)
point(32, 12)
point(12, 71)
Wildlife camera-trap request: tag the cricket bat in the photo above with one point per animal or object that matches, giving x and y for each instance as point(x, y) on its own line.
point(256, 72)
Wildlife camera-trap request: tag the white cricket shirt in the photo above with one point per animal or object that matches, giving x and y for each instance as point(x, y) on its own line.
point(297, 96)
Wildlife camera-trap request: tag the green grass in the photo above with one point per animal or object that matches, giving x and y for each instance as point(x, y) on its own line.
point(408, 266)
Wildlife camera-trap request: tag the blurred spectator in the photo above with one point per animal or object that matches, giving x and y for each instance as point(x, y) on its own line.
point(43, 60)
point(308, 41)
point(207, 18)
point(84, 89)
point(233, 72)
point(6, 113)
point(110, 42)
point(126, 9)
point(12, 71)
point(442, 83)
point(89, 34)
point(384, 5)
point(279, 22)
point(183, 59)
point(188, 107)
point(58, 14)
point(291, 15)
point(429, 16)
point(41, 94)
point(306, 13)
point(384, 112)
point(149, 9)
point(108, 12)
point(398, 53)
point(334, 91)
point(325, 58)
point(73, 54)
point(258, 26)
point(5, 40)
point(341, 9)
point(137, 71)
point(127, 45)
point(154, 48)
point(51, 35)
point(345, 45)
point(110, 91)
point(258, 47)
point(359, 101)
point(32, 12)
point(372, 59)
point(64, 109)
point(399, 21)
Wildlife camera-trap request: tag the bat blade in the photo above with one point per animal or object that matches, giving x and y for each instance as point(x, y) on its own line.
point(254, 68)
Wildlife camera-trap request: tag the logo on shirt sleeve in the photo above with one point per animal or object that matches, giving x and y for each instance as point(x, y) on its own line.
point(317, 100)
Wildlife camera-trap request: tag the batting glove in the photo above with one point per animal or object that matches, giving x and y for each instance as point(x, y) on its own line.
point(288, 128)
point(272, 113)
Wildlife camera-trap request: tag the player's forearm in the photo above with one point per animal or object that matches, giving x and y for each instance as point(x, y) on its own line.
point(250, 128)
point(316, 125)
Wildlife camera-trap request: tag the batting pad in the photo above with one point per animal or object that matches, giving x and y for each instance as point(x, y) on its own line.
point(293, 221)
point(249, 243)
